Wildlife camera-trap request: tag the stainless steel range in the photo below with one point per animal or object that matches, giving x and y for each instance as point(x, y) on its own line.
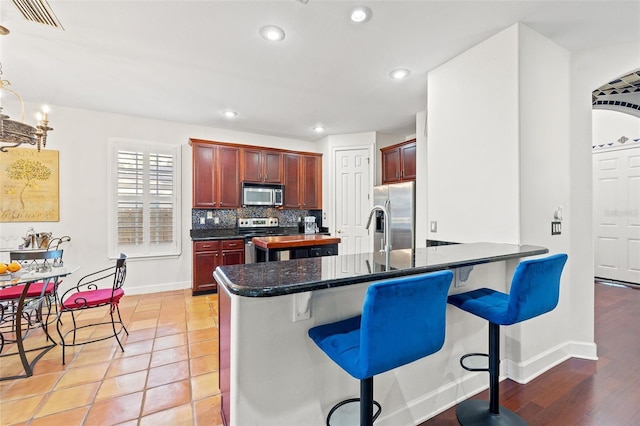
point(256, 227)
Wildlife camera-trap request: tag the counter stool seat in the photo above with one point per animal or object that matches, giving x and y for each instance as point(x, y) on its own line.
point(402, 321)
point(535, 290)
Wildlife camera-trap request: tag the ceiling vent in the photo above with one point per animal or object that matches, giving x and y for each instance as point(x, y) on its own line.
point(38, 11)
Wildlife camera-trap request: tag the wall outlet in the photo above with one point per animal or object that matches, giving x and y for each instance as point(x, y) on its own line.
point(216, 220)
point(433, 226)
point(202, 221)
point(209, 215)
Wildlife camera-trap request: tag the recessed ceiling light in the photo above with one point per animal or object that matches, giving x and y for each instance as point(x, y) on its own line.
point(272, 33)
point(229, 114)
point(318, 129)
point(399, 74)
point(360, 14)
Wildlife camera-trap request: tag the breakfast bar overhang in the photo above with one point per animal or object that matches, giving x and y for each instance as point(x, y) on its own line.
point(271, 373)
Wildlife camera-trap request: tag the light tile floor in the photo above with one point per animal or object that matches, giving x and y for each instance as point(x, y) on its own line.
point(167, 375)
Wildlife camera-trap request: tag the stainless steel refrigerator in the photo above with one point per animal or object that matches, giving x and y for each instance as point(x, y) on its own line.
point(400, 200)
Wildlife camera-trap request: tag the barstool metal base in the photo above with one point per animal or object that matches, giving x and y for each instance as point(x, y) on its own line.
point(475, 412)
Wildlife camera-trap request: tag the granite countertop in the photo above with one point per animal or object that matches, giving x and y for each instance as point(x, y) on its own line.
point(214, 234)
point(295, 276)
point(232, 233)
point(290, 241)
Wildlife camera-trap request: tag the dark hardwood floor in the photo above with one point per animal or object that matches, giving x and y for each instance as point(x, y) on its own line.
point(580, 392)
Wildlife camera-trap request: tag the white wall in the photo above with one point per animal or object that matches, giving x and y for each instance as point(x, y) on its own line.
point(422, 184)
point(543, 70)
point(535, 132)
point(81, 137)
point(609, 126)
point(472, 143)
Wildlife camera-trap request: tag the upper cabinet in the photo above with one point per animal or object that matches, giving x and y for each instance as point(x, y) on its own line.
point(216, 176)
point(302, 181)
point(220, 168)
point(399, 162)
point(261, 165)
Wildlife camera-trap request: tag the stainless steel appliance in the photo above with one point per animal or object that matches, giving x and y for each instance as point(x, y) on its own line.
point(260, 194)
point(399, 199)
point(256, 227)
point(310, 225)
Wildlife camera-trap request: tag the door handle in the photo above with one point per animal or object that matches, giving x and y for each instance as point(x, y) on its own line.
point(339, 231)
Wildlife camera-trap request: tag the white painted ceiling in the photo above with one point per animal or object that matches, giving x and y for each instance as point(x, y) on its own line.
point(188, 60)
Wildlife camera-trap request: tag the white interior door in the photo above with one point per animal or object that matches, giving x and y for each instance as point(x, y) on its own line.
point(616, 200)
point(352, 187)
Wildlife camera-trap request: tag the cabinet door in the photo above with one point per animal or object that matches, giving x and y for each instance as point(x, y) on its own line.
point(272, 162)
point(204, 263)
point(408, 160)
point(390, 165)
point(252, 165)
point(232, 257)
point(204, 195)
point(311, 182)
point(228, 175)
point(292, 181)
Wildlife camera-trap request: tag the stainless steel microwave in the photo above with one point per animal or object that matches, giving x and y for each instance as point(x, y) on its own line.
point(261, 194)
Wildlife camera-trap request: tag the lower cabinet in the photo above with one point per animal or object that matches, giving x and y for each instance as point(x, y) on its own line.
point(208, 255)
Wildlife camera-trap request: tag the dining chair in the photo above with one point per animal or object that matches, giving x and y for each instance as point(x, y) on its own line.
point(88, 294)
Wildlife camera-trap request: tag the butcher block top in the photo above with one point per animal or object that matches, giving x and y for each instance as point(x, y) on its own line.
point(292, 241)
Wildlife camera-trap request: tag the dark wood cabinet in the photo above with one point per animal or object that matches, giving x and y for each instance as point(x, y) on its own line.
point(216, 176)
point(261, 165)
point(302, 181)
point(220, 168)
point(203, 182)
point(208, 255)
point(206, 258)
point(228, 168)
point(292, 181)
point(232, 252)
point(399, 162)
point(311, 172)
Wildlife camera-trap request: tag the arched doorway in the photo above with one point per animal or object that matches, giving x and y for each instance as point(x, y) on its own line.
point(616, 179)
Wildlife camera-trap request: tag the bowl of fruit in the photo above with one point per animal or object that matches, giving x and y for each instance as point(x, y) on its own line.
point(9, 271)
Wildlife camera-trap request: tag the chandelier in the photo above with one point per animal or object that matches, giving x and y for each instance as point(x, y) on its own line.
point(15, 133)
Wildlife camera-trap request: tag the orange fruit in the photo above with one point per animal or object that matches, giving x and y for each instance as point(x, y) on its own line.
point(3, 268)
point(14, 266)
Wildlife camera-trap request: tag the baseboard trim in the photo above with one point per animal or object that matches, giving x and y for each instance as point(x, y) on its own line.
point(524, 372)
point(156, 288)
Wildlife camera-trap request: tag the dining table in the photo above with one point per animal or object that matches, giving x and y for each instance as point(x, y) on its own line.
point(19, 312)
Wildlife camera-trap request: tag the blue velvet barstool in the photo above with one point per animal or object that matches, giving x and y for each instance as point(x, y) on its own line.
point(535, 289)
point(402, 320)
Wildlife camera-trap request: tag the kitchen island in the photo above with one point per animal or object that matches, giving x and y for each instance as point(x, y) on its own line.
point(299, 246)
point(272, 374)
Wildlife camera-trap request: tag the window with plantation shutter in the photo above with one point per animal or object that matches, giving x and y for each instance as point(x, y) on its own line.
point(144, 220)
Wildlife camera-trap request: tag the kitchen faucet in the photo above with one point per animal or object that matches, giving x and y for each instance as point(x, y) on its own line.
point(386, 246)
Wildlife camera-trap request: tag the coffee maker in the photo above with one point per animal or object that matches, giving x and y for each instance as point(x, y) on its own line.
point(310, 225)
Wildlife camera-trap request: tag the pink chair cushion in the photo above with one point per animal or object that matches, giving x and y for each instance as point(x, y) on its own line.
point(85, 299)
point(35, 290)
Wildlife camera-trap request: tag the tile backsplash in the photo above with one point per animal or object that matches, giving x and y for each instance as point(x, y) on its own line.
point(228, 218)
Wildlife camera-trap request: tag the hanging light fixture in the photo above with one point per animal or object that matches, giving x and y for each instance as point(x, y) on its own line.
point(15, 133)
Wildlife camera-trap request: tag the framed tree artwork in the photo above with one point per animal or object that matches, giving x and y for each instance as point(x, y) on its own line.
point(29, 186)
